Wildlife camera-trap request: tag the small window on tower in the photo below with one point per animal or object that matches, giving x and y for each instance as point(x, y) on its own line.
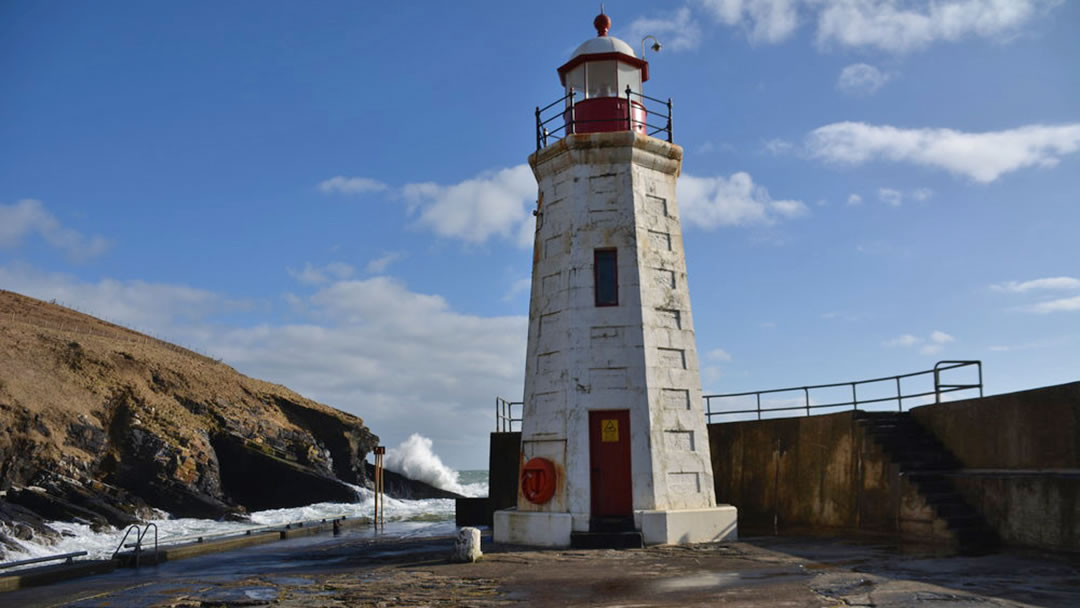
point(606, 277)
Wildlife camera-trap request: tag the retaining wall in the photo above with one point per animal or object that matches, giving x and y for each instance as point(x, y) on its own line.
point(1021, 455)
point(1021, 470)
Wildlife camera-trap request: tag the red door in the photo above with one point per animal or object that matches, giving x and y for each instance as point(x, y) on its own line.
point(609, 459)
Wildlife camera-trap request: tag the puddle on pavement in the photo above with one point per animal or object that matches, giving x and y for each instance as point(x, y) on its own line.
point(706, 580)
point(239, 595)
point(293, 581)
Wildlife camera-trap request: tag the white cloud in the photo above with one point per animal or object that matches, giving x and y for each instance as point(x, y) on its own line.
point(891, 197)
point(907, 26)
point(983, 157)
point(890, 25)
point(404, 361)
point(778, 146)
point(315, 275)
point(351, 185)
point(518, 287)
point(718, 354)
point(861, 79)
point(922, 194)
point(904, 340)
point(151, 307)
point(1047, 283)
point(1060, 305)
point(763, 20)
point(381, 263)
point(29, 216)
point(940, 337)
point(932, 345)
point(678, 30)
point(494, 203)
point(854, 199)
point(711, 202)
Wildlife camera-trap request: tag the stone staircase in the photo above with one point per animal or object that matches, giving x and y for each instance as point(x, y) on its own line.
point(926, 464)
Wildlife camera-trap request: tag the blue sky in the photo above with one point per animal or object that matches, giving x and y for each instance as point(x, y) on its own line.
point(333, 195)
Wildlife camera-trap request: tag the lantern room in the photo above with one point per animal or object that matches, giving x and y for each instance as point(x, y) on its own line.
point(603, 83)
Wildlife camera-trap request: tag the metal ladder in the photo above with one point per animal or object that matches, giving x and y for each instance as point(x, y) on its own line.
point(139, 535)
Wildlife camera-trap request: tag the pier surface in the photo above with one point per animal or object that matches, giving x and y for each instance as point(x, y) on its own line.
point(362, 570)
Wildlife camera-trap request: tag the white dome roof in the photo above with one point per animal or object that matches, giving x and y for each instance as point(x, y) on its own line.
point(603, 44)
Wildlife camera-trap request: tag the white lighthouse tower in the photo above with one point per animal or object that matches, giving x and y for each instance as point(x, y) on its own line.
point(614, 441)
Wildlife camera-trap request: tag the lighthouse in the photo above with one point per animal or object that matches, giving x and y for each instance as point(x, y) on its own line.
point(614, 444)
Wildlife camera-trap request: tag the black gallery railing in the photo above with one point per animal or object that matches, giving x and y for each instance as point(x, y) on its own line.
point(549, 129)
point(772, 403)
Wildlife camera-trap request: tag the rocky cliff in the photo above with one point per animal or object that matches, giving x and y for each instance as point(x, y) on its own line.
point(101, 424)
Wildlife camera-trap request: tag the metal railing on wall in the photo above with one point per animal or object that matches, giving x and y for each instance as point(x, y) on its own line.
point(505, 420)
point(875, 392)
point(651, 129)
point(881, 392)
point(656, 123)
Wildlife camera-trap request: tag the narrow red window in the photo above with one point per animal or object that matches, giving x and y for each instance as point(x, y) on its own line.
point(606, 277)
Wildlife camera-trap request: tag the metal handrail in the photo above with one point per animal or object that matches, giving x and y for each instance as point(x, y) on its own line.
point(125, 537)
point(570, 120)
point(138, 544)
point(68, 557)
point(938, 390)
point(504, 415)
point(649, 113)
point(200, 538)
point(542, 133)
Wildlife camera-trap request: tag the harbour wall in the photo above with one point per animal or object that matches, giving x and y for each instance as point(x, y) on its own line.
point(1020, 455)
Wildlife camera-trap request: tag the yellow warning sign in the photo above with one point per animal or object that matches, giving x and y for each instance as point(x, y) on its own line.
point(609, 430)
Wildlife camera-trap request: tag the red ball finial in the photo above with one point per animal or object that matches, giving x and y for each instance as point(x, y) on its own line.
point(602, 23)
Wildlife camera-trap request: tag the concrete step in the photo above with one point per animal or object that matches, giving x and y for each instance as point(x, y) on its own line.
point(923, 458)
point(607, 540)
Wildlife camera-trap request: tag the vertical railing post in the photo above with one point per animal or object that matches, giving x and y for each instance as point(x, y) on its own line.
point(537, 128)
point(572, 128)
point(759, 406)
point(670, 118)
point(899, 396)
point(854, 398)
point(806, 392)
point(629, 111)
point(978, 365)
point(937, 385)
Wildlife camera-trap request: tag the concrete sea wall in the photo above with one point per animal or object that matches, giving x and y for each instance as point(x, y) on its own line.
point(1021, 455)
point(815, 473)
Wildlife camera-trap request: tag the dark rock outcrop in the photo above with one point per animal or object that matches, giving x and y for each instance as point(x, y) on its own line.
point(101, 424)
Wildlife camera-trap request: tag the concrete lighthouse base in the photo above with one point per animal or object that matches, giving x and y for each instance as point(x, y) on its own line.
point(674, 527)
point(533, 528)
point(688, 526)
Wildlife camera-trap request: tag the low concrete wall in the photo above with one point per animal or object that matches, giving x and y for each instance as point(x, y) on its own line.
point(1036, 429)
point(819, 472)
point(1021, 455)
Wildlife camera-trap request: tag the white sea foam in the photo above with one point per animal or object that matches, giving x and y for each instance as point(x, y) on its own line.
point(415, 459)
point(403, 517)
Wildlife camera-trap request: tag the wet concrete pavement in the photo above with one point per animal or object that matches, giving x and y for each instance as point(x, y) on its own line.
point(359, 570)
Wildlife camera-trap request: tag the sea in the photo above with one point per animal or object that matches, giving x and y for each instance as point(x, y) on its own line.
point(414, 458)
